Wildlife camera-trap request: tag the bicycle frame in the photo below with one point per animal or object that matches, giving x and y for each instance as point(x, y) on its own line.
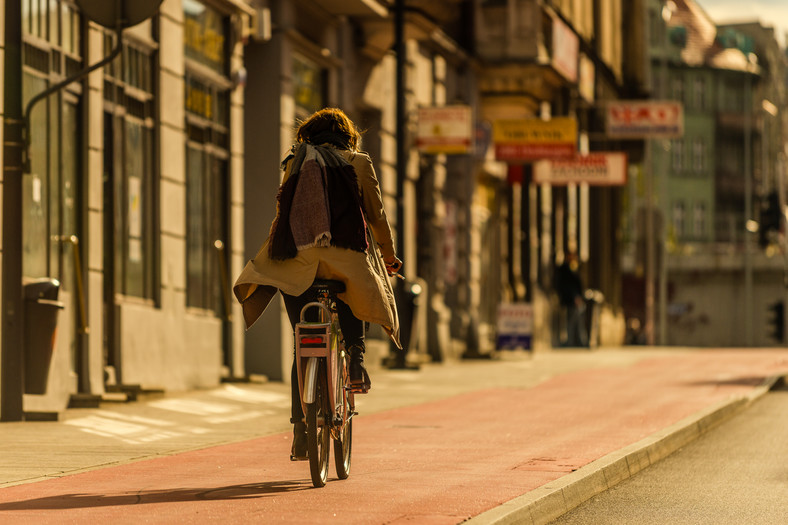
point(325, 394)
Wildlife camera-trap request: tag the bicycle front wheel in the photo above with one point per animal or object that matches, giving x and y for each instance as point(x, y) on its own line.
point(318, 432)
point(343, 443)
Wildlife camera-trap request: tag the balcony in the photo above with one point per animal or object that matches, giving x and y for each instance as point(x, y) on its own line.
point(526, 52)
point(372, 8)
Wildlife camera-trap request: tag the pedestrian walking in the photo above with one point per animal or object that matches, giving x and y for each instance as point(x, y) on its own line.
point(570, 291)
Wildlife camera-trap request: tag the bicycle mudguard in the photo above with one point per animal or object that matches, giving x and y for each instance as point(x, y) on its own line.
point(310, 380)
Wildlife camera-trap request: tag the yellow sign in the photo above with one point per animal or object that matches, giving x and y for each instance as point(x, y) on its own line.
point(523, 131)
point(531, 139)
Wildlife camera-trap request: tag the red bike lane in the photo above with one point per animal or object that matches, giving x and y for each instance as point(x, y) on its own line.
point(435, 463)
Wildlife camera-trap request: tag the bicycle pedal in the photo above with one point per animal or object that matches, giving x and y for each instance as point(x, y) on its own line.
point(296, 458)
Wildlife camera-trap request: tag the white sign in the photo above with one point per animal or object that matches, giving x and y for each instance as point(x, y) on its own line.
point(446, 129)
point(594, 169)
point(565, 50)
point(643, 119)
point(515, 325)
point(587, 80)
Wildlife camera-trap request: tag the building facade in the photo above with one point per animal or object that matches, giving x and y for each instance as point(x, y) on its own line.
point(128, 199)
point(720, 262)
point(153, 180)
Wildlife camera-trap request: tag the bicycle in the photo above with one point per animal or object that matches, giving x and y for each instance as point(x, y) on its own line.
point(327, 397)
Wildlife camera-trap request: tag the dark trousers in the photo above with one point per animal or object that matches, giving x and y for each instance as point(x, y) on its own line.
point(352, 333)
point(576, 333)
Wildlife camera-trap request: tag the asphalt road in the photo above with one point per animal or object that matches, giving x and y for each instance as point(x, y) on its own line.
point(735, 474)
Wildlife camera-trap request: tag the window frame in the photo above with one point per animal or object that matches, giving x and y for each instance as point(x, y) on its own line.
point(699, 155)
point(678, 219)
point(207, 110)
point(699, 219)
point(130, 100)
point(677, 155)
point(46, 61)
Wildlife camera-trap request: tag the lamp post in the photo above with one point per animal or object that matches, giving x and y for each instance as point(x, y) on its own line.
point(749, 225)
point(667, 13)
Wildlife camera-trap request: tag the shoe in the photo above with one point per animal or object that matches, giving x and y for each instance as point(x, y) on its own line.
point(298, 451)
point(358, 372)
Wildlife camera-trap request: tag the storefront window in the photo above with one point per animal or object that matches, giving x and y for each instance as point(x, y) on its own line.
point(130, 169)
point(207, 96)
point(36, 187)
point(204, 35)
point(309, 86)
point(49, 195)
point(207, 227)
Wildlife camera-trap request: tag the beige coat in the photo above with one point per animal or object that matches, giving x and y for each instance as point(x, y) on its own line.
point(368, 289)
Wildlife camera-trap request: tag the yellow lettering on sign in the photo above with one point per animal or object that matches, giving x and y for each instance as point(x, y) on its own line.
point(535, 131)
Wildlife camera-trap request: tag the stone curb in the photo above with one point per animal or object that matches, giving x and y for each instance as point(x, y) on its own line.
point(552, 500)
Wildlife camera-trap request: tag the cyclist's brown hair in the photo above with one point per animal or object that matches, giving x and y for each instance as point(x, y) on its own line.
point(330, 125)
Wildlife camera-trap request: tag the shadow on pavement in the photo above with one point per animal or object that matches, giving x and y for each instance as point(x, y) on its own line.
point(234, 492)
point(733, 381)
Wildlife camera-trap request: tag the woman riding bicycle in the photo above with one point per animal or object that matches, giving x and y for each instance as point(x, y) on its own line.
point(328, 197)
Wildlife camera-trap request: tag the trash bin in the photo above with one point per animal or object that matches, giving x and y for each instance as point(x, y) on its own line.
point(40, 327)
point(407, 295)
point(408, 303)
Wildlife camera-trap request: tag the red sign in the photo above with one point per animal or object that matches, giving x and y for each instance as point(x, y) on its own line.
point(645, 119)
point(533, 151)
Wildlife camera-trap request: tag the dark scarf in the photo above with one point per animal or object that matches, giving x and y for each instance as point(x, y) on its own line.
point(341, 192)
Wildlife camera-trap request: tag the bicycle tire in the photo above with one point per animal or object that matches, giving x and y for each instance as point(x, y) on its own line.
point(344, 445)
point(318, 431)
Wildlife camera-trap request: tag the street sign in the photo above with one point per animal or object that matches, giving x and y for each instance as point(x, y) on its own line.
point(446, 129)
point(645, 119)
point(515, 326)
point(594, 169)
point(533, 139)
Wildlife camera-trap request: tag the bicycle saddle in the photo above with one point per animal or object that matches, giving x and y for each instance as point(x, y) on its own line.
point(331, 285)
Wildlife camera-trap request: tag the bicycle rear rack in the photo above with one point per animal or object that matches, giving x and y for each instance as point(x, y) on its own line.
point(313, 339)
point(315, 342)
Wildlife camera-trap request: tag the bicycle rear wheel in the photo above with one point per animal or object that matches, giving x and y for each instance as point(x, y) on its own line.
point(318, 431)
point(343, 443)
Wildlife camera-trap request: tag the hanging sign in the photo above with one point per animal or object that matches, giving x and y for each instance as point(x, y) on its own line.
point(533, 139)
point(565, 50)
point(446, 129)
point(645, 119)
point(594, 169)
